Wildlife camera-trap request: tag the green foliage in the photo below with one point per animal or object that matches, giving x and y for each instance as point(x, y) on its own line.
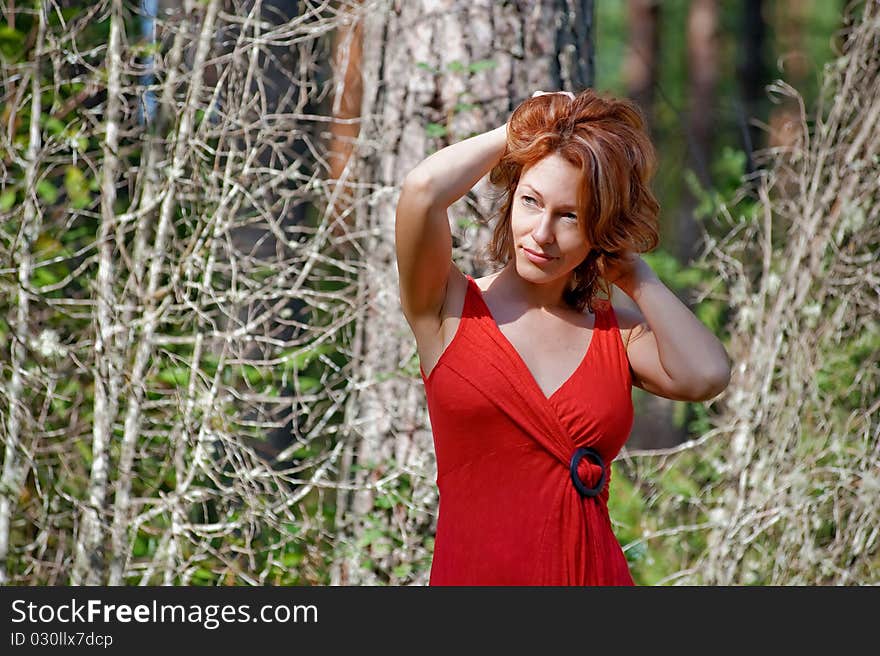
point(841, 368)
point(11, 43)
point(435, 130)
point(77, 186)
point(633, 517)
point(47, 191)
point(728, 168)
point(458, 67)
point(7, 199)
point(673, 274)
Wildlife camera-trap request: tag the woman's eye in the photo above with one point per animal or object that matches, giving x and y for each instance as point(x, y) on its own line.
point(529, 199)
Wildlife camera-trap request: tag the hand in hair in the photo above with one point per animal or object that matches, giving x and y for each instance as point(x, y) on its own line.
point(624, 270)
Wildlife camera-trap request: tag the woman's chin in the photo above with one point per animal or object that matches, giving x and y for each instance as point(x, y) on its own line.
point(535, 273)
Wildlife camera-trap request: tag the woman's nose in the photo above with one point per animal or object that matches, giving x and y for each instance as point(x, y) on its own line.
point(543, 232)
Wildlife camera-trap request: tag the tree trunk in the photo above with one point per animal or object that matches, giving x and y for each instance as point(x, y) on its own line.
point(640, 67)
point(90, 563)
point(702, 45)
point(345, 125)
point(435, 72)
point(789, 20)
point(752, 73)
point(17, 417)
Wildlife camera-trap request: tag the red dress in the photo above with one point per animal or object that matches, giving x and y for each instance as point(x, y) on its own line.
point(509, 511)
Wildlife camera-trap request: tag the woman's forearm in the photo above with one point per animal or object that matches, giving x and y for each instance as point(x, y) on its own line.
point(451, 172)
point(690, 354)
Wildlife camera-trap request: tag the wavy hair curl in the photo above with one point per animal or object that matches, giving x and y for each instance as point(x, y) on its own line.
point(606, 138)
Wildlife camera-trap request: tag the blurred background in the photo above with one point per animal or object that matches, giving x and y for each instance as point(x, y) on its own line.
point(700, 71)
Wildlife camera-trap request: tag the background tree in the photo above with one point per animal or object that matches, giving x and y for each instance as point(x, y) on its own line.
point(752, 73)
point(702, 49)
point(641, 65)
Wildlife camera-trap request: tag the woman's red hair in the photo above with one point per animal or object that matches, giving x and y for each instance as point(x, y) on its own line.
point(605, 137)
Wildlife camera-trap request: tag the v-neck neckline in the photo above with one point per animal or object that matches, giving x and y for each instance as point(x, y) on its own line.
point(519, 358)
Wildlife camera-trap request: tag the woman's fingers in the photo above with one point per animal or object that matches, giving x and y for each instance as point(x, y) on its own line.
point(541, 93)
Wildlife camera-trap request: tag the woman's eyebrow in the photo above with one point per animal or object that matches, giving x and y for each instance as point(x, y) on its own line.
point(564, 207)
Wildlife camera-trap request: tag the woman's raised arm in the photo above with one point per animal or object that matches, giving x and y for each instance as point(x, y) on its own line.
point(422, 237)
point(671, 353)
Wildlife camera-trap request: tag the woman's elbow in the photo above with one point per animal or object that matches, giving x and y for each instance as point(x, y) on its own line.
point(713, 383)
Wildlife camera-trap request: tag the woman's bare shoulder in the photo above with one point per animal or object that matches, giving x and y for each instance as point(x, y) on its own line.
point(630, 320)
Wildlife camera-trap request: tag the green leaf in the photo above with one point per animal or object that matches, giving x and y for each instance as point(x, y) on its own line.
point(175, 376)
point(254, 375)
point(84, 451)
point(677, 483)
point(711, 313)
point(139, 549)
point(482, 65)
point(370, 536)
point(307, 384)
point(47, 191)
point(47, 246)
point(54, 126)
point(146, 49)
point(11, 43)
point(299, 359)
point(455, 66)
point(43, 276)
point(402, 571)
point(203, 576)
point(291, 559)
point(385, 502)
point(77, 187)
point(435, 130)
point(425, 66)
point(77, 233)
point(7, 200)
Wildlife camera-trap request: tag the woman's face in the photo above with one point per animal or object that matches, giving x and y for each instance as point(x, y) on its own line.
point(545, 220)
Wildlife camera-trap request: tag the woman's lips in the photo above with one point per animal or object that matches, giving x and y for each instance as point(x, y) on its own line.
point(537, 258)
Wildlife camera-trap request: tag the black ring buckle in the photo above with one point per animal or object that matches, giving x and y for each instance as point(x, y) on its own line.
point(576, 458)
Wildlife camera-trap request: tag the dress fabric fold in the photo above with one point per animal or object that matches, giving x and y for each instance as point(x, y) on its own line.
point(509, 513)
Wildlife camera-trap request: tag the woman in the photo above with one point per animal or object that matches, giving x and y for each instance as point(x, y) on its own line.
point(528, 371)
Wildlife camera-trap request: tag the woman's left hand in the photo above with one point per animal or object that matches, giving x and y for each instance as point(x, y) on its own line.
point(625, 270)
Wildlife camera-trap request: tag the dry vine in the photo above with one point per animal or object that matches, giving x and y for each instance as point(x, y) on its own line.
point(174, 296)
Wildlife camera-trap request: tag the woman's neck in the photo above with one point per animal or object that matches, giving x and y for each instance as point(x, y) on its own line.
point(528, 295)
